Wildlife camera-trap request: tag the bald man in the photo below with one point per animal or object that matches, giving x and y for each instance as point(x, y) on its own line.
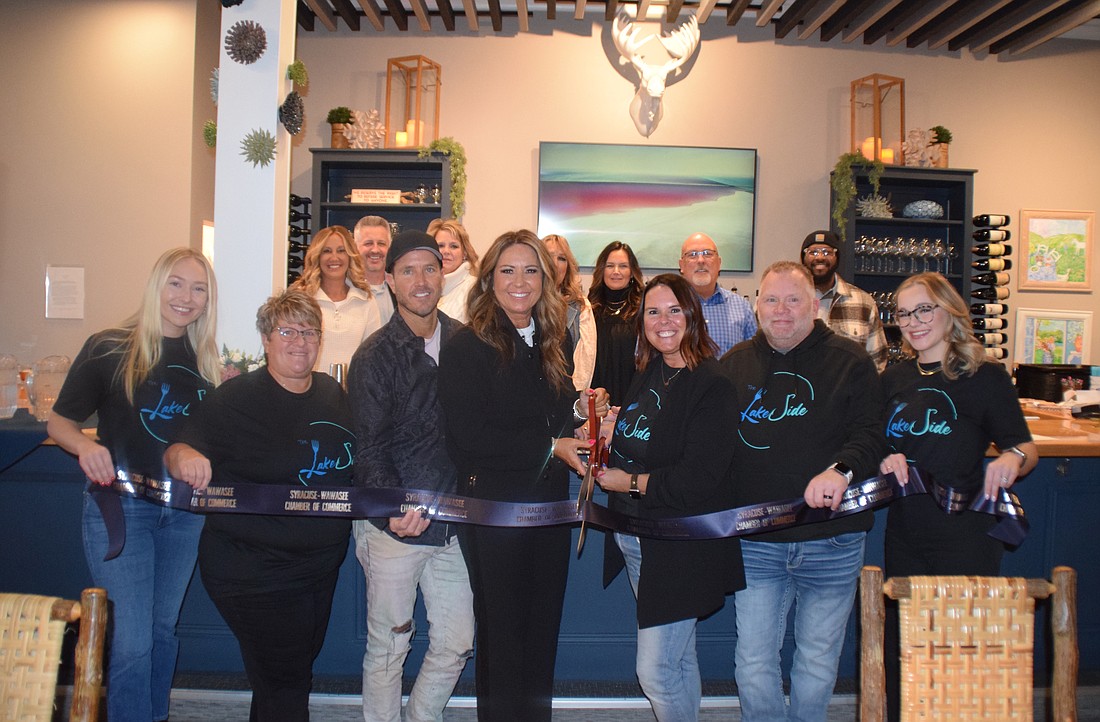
point(729, 317)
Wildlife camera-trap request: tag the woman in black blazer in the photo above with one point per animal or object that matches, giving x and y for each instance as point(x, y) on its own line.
point(508, 401)
point(670, 457)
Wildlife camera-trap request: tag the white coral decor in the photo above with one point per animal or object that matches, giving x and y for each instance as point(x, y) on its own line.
point(366, 130)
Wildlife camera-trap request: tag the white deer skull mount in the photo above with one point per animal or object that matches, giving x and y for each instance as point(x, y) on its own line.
point(679, 45)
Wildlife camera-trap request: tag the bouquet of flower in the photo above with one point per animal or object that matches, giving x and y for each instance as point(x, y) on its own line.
point(235, 363)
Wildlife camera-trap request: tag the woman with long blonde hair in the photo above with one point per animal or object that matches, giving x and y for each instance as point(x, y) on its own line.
point(334, 276)
point(459, 266)
point(506, 394)
point(579, 319)
point(142, 379)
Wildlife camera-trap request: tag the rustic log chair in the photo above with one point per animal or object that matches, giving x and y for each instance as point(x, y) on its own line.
point(966, 645)
point(31, 631)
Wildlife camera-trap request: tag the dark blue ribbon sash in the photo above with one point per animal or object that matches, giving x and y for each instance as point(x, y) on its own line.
point(360, 503)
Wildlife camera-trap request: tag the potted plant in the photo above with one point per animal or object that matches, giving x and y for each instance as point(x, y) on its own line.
point(338, 117)
point(450, 147)
point(843, 182)
point(940, 137)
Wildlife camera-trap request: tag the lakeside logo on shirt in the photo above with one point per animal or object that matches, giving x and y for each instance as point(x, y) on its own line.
point(321, 460)
point(930, 414)
point(788, 396)
point(160, 406)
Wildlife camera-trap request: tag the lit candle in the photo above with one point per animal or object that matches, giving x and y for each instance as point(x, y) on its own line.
point(402, 139)
point(887, 155)
point(415, 131)
point(868, 148)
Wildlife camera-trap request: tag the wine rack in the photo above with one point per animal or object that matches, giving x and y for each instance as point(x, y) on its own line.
point(990, 265)
point(297, 236)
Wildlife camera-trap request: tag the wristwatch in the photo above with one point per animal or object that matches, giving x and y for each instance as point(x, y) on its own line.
point(1019, 453)
point(635, 492)
point(842, 468)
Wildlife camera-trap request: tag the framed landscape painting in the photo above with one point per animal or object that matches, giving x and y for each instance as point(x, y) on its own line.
point(1056, 250)
point(1052, 337)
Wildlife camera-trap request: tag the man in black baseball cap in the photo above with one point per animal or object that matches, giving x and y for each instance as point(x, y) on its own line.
point(846, 309)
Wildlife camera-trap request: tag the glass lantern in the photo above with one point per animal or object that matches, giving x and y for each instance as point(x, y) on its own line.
point(878, 118)
point(412, 101)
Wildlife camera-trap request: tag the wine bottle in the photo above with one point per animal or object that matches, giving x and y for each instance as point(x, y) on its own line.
point(992, 264)
point(292, 276)
point(297, 232)
point(988, 309)
point(992, 249)
point(297, 247)
point(990, 293)
point(296, 201)
point(990, 339)
point(299, 215)
point(991, 234)
point(996, 352)
point(991, 220)
point(294, 263)
point(990, 279)
point(990, 323)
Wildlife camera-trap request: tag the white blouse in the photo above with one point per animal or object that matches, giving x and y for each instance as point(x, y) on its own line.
point(344, 325)
point(456, 287)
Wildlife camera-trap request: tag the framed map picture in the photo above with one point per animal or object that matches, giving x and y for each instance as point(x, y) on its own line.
point(1056, 250)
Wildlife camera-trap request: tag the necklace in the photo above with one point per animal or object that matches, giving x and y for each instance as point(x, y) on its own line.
point(672, 378)
point(616, 307)
point(927, 372)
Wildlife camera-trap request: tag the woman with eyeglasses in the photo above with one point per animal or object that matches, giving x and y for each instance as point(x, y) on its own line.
point(945, 407)
point(334, 276)
point(616, 297)
point(272, 578)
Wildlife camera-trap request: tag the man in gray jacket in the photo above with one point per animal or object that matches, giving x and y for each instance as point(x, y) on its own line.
point(399, 430)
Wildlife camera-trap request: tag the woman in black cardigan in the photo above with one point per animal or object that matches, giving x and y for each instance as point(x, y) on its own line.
point(670, 457)
point(508, 401)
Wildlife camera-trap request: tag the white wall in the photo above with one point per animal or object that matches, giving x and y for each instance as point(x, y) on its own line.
point(97, 163)
point(1027, 125)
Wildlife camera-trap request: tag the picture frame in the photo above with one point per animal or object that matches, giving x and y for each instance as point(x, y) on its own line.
point(650, 197)
point(1056, 250)
point(1052, 337)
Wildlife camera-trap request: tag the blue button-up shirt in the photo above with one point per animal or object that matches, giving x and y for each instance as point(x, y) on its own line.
point(729, 317)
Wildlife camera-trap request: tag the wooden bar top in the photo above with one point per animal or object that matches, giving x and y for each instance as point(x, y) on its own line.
point(1057, 433)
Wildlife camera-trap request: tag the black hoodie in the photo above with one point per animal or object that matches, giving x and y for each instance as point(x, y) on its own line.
point(798, 412)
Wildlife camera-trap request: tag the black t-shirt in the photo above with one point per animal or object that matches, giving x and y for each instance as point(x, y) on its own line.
point(136, 434)
point(255, 431)
point(616, 339)
point(945, 427)
point(632, 430)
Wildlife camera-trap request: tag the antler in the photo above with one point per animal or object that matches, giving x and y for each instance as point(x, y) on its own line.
point(682, 41)
point(625, 35)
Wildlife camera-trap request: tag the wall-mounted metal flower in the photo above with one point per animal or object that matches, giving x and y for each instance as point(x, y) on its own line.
point(245, 42)
point(291, 113)
point(210, 133)
point(258, 147)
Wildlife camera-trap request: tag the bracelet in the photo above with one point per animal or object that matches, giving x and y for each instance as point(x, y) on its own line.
point(577, 415)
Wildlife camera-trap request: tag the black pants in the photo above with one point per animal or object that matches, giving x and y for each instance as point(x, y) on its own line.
point(280, 634)
point(518, 578)
point(945, 549)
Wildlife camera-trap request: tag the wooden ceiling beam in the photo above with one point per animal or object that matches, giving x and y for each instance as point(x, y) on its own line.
point(447, 14)
point(959, 19)
point(814, 19)
point(874, 13)
point(306, 17)
point(420, 10)
point(1018, 16)
point(470, 10)
point(643, 9)
point(792, 16)
point(919, 15)
point(672, 12)
point(324, 13)
point(735, 10)
point(398, 13)
point(578, 11)
point(768, 8)
point(1049, 28)
point(373, 13)
point(706, 7)
point(347, 11)
point(851, 10)
point(551, 10)
point(522, 16)
point(610, 8)
point(496, 16)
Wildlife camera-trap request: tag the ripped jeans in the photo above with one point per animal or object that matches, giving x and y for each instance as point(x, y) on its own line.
point(393, 572)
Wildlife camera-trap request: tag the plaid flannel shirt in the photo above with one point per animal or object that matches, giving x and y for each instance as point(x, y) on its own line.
point(853, 313)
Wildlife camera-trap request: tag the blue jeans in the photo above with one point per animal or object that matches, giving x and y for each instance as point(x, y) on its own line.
point(667, 665)
point(145, 586)
point(820, 578)
point(393, 572)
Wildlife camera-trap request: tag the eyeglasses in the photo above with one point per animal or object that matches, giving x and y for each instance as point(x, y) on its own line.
point(922, 313)
point(704, 253)
point(310, 335)
point(821, 253)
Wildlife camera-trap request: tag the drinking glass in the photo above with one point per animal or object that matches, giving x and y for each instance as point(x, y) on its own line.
point(9, 386)
point(45, 383)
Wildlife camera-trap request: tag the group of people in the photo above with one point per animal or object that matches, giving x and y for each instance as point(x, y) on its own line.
point(472, 375)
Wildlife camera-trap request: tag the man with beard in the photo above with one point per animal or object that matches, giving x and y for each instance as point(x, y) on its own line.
point(728, 316)
point(844, 308)
point(372, 239)
point(393, 390)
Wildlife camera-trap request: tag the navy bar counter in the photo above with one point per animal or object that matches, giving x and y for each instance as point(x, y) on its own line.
point(41, 552)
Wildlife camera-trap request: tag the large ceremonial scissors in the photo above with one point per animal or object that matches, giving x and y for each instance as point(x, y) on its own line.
point(597, 459)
